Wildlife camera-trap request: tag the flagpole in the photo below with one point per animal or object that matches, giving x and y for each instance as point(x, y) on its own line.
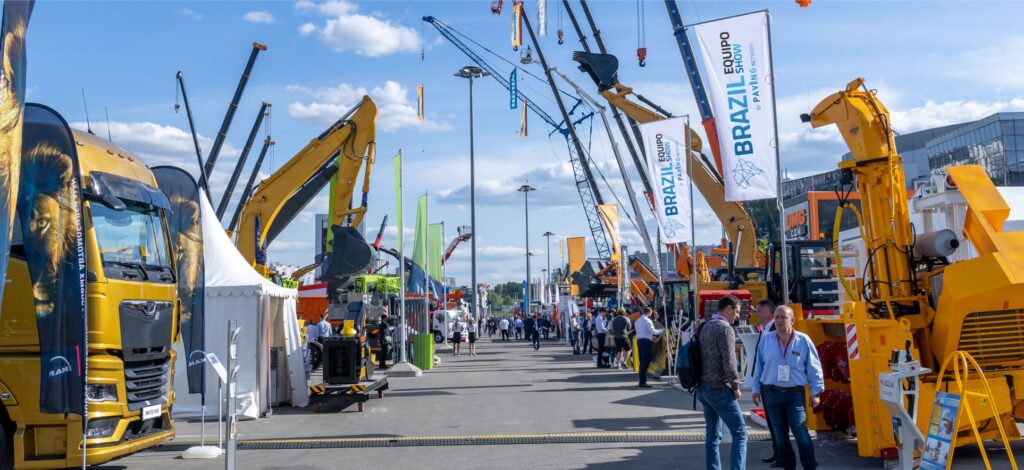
point(693, 229)
point(401, 256)
point(778, 167)
point(426, 263)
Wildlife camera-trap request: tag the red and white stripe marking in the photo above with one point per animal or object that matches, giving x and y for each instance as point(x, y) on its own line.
point(852, 348)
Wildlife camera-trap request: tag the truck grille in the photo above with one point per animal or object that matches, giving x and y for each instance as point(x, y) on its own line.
point(146, 382)
point(994, 338)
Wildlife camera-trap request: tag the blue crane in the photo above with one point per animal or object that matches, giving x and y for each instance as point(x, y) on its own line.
point(586, 185)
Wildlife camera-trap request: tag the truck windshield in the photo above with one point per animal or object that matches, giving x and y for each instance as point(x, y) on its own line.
point(132, 243)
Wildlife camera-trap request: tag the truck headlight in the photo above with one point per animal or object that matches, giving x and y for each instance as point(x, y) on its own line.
point(101, 392)
point(103, 427)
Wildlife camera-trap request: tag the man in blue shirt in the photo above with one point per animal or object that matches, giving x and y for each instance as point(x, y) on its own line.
point(786, 362)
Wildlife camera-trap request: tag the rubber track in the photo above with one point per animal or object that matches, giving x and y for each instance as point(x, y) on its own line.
point(444, 441)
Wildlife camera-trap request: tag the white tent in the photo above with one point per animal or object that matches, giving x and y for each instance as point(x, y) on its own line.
point(266, 314)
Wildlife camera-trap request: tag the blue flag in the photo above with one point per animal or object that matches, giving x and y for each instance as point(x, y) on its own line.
point(513, 91)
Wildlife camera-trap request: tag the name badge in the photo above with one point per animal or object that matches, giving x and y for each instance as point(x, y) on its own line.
point(783, 373)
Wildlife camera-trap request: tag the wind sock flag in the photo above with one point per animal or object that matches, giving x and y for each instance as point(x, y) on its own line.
point(517, 26)
point(12, 109)
point(522, 122)
point(435, 250)
point(665, 143)
point(735, 53)
point(420, 111)
point(513, 91)
point(542, 17)
point(610, 216)
point(419, 244)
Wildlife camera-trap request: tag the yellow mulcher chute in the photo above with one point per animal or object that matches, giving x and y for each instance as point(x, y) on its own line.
point(976, 306)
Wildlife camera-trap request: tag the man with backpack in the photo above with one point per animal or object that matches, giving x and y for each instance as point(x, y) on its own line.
point(719, 388)
point(619, 328)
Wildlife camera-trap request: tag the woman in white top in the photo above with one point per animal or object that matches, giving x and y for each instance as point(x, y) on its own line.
point(472, 329)
point(457, 328)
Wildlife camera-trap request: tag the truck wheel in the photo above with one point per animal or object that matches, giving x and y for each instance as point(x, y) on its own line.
point(6, 444)
point(438, 339)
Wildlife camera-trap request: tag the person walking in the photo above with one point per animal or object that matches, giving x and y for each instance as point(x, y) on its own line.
point(646, 336)
point(619, 326)
point(503, 326)
point(766, 324)
point(532, 326)
point(787, 361)
point(519, 327)
point(457, 328)
point(471, 328)
point(574, 336)
point(601, 330)
point(586, 326)
point(383, 341)
point(719, 389)
point(324, 327)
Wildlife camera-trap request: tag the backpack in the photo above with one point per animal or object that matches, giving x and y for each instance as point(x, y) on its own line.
point(688, 362)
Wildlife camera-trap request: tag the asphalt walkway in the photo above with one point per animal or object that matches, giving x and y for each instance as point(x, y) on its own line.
point(508, 407)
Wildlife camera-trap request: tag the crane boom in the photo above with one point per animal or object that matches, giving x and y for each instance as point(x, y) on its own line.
point(586, 185)
point(222, 134)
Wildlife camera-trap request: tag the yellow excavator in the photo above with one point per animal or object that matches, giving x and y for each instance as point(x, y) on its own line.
point(911, 298)
point(337, 154)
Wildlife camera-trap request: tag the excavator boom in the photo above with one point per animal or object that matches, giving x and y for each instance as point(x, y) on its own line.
point(350, 140)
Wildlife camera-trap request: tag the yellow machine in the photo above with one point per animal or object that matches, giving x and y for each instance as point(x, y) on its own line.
point(975, 306)
point(338, 152)
point(130, 360)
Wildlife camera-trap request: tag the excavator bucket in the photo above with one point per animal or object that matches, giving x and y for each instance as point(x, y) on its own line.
point(350, 254)
point(602, 68)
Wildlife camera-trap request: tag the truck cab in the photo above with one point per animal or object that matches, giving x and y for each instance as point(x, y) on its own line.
point(132, 320)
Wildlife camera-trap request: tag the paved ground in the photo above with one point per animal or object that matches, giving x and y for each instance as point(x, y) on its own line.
point(508, 389)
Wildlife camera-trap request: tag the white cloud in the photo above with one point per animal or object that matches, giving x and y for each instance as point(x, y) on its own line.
point(261, 16)
point(306, 29)
point(993, 66)
point(934, 114)
point(185, 11)
point(278, 245)
point(346, 30)
point(395, 110)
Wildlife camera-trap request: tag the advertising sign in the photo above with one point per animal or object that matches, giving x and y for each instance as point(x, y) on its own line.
point(735, 55)
point(941, 428)
point(186, 230)
point(665, 143)
point(50, 208)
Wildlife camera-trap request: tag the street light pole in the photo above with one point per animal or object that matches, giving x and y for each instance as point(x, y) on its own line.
point(548, 235)
point(470, 72)
point(526, 189)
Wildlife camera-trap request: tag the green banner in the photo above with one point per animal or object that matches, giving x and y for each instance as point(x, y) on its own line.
point(434, 249)
point(419, 248)
point(398, 200)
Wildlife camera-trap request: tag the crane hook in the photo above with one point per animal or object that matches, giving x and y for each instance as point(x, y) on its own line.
point(641, 55)
point(560, 39)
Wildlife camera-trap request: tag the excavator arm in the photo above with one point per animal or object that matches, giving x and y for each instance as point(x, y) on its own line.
point(350, 139)
point(738, 225)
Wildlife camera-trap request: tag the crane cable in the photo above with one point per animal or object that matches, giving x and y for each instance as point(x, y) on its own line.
point(641, 34)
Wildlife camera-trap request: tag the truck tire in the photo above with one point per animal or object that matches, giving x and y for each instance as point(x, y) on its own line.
point(438, 338)
point(6, 443)
point(316, 355)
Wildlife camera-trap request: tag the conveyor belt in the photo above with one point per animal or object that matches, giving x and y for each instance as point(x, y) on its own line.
point(485, 440)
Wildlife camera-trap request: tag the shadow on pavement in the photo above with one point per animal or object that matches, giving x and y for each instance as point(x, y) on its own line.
point(688, 422)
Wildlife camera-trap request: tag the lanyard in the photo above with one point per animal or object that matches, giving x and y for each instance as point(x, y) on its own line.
point(786, 348)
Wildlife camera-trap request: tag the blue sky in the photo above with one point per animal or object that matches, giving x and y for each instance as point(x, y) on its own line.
point(934, 63)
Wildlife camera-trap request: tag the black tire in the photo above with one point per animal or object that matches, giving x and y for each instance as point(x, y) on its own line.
point(438, 337)
point(6, 443)
point(316, 355)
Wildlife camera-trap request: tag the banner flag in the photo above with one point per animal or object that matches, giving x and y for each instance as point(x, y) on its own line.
point(420, 105)
point(435, 250)
point(735, 56)
point(419, 243)
point(542, 17)
point(50, 199)
point(12, 110)
point(523, 129)
point(577, 256)
point(184, 223)
point(397, 161)
point(513, 90)
point(665, 146)
point(610, 218)
point(517, 26)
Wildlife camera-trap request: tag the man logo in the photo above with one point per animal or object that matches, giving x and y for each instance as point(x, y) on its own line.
point(193, 361)
point(59, 369)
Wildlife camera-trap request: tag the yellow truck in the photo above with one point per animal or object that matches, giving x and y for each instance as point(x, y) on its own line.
point(132, 320)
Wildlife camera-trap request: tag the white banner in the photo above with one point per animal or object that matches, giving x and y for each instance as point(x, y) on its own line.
point(734, 53)
point(665, 146)
point(542, 17)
